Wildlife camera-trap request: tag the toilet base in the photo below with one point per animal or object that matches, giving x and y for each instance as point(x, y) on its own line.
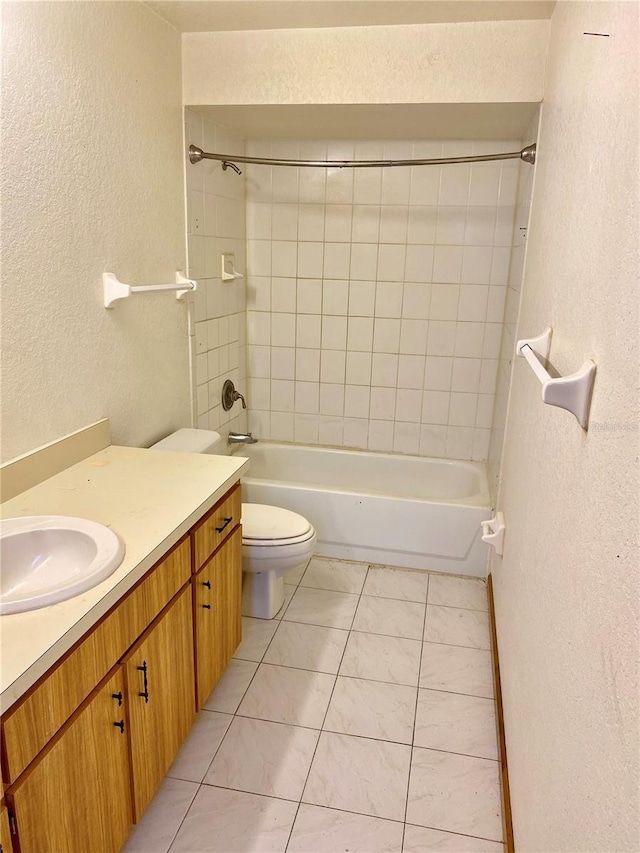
point(262, 594)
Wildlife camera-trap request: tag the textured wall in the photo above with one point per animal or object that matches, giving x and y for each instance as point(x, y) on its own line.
point(488, 61)
point(376, 296)
point(567, 587)
point(92, 182)
point(216, 223)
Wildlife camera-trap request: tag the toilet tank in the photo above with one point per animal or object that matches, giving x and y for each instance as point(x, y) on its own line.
point(192, 441)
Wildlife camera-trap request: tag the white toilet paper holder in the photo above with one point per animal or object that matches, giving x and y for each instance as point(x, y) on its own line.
point(493, 532)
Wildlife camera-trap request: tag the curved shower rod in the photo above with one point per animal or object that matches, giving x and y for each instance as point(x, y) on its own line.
point(528, 155)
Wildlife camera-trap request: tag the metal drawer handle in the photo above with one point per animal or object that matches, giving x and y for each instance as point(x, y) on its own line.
point(118, 697)
point(145, 693)
point(226, 521)
point(120, 725)
point(207, 584)
point(207, 606)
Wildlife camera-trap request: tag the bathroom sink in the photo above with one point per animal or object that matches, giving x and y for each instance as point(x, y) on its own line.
point(50, 558)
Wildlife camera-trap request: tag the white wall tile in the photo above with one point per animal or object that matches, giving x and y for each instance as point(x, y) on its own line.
point(309, 295)
point(334, 333)
point(333, 366)
point(389, 299)
point(411, 371)
point(283, 295)
point(335, 296)
point(391, 280)
point(362, 297)
point(384, 370)
point(308, 331)
point(358, 368)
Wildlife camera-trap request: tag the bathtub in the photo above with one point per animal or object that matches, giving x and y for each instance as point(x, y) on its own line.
point(396, 510)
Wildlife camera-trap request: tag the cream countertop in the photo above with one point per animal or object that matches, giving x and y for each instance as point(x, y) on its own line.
point(150, 499)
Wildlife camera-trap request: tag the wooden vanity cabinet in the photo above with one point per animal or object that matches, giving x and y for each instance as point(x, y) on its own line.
point(77, 795)
point(217, 603)
point(159, 691)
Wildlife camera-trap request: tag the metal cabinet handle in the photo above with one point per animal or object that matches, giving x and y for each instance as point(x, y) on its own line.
point(120, 725)
point(226, 522)
point(207, 606)
point(145, 693)
point(207, 584)
point(118, 697)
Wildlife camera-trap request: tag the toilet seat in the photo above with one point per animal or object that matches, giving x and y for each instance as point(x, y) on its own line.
point(266, 526)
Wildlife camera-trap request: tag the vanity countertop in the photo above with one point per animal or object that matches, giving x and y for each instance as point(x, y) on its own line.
point(150, 498)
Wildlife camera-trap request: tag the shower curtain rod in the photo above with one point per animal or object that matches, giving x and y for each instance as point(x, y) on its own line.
point(528, 155)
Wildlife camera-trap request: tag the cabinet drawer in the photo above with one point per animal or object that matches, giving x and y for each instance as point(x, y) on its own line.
point(214, 529)
point(34, 722)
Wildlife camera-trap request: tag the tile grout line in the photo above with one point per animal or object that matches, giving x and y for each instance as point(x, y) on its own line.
point(415, 715)
point(306, 781)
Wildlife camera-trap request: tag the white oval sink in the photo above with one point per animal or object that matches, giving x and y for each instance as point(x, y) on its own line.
point(45, 559)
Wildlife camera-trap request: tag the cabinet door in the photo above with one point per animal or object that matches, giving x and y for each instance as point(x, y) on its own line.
point(217, 607)
point(5, 834)
point(77, 797)
point(160, 675)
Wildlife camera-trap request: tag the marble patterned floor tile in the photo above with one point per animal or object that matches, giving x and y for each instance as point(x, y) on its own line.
point(289, 590)
point(359, 775)
point(264, 758)
point(294, 576)
point(337, 575)
point(322, 607)
point(397, 583)
point(450, 591)
point(457, 627)
point(229, 691)
point(388, 616)
point(456, 793)
point(256, 636)
point(457, 670)
point(380, 658)
point(322, 830)
point(201, 745)
point(418, 839)
point(285, 695)
point(372, 709)
point(456, 723)
point(224, 821)
point(161, 821)
point(307, 647)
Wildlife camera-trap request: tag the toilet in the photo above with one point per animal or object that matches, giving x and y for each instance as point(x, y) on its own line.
point(274, 540)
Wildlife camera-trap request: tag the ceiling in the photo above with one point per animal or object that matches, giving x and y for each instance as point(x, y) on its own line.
point(375, 121)
point(222, 15)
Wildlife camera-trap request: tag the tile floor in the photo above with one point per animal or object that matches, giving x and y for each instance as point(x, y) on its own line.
point(360, 719)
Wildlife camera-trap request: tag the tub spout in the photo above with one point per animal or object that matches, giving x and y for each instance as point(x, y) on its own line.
point(241, 438)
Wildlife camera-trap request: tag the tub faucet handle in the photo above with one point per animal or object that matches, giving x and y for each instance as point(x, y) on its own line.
point(230, 395)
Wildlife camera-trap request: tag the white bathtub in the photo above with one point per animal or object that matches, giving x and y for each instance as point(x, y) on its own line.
point(377, 507)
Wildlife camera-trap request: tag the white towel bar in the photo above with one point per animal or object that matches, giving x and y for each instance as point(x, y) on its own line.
point(115, 289)
point(572, 392)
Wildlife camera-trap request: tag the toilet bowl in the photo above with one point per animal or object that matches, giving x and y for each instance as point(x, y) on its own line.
point(274, 540)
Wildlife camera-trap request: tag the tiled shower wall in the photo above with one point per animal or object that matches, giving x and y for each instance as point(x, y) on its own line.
point(512, 308)
point(376, 297)
point(215, 224)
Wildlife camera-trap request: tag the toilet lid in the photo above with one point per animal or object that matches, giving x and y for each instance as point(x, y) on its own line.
point(263, 522)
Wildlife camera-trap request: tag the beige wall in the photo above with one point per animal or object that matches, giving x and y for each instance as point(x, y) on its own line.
point(92, 182)
point(567, 588)
point(486, 61)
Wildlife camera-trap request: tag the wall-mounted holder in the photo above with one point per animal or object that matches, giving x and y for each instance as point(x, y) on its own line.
point(115, 289)
point(228, 264)
point(572, 392)
point(493, 532)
